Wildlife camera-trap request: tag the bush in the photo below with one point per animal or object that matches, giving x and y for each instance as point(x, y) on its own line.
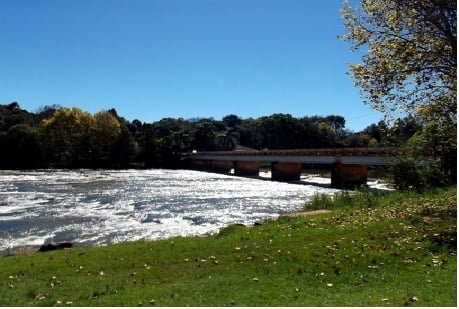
point(407, 173)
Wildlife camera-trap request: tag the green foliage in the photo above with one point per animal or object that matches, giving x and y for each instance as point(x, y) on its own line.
point(103, 137)
point(392, 254)
point(409, 58)
point(409, 173)
point(65, 136)
point(433, 140)
point(320, 201)
point(362, 198)
point(409, 66)
point(125, 149)
point(430, 159)
point(405, 174)
point(11, 114)
point(20, 147)
point(71, 138)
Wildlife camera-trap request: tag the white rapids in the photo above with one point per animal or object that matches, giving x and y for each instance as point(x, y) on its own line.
point(98, 207)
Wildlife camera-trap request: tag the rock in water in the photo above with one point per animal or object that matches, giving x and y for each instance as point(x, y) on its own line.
point(55, 246)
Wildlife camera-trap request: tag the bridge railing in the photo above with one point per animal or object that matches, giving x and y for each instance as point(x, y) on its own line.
point(370, 151)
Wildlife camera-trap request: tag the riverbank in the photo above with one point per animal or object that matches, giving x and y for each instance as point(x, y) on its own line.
point(397, 254)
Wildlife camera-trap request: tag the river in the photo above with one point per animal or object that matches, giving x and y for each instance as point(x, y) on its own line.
point(98, 207)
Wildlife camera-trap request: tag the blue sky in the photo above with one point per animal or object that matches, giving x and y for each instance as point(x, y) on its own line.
point(151, 59)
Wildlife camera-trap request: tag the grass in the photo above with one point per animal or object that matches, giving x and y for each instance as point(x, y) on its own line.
point(398, 251)
point(362, 198)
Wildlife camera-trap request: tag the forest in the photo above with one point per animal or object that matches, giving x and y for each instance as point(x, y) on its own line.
point(62, 137)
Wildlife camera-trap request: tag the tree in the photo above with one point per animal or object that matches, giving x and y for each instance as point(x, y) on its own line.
point(47, 111)
point(103, 136)
point(21, 148)
point(249, 133)
point(410, 53)
point(326, 135)
point(149, 147)
point(336, 122)
point(12, 114)
point(281, 131)
point(125, 149)
point(204, 135)
point(227, 140)
point(14, 106)
point(65, 137)
point(232, 121)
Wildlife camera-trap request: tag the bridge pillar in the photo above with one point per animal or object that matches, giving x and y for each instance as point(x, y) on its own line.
point(200, 165)
point(348, 176)
point(246, 168)
point(220, 166)
point(285, 171)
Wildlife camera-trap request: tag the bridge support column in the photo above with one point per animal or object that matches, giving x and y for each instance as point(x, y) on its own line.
point(246, 168)
point(220, 166)
point(348, 176)
point(284, 171)
point(200, 165)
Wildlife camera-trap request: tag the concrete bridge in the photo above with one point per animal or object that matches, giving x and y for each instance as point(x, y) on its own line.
point(349, 166)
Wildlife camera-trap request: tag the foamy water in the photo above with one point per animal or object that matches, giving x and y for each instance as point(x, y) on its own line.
point(90, 207)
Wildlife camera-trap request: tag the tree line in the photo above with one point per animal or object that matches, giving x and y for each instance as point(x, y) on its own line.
point(62, 137)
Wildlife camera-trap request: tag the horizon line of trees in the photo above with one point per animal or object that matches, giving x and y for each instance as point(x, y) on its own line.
point(62, 137)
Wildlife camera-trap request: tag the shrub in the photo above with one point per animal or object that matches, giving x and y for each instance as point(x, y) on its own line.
point(407, 173)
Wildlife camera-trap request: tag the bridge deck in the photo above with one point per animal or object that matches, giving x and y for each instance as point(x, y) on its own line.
point(367, 156)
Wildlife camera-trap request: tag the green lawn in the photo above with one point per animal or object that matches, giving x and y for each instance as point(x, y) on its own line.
point(396, 253)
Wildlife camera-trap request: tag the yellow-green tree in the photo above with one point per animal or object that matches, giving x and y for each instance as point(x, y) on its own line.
point(409, 65)
point(408, 53)
point(104, 135)
point(65, 136)
point(327, 134)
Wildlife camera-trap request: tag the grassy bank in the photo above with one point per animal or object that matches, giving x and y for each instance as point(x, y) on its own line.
point(397, 251)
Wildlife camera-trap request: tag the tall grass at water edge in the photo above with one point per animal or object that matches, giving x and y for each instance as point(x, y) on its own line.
point(363, 198)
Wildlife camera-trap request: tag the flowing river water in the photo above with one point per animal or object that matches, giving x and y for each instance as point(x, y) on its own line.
point(98, 207)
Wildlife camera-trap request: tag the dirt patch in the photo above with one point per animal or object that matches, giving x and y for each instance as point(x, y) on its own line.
point(21, 251)
point(308, 213)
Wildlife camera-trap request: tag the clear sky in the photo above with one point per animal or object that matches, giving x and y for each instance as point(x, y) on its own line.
point(151, 59)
